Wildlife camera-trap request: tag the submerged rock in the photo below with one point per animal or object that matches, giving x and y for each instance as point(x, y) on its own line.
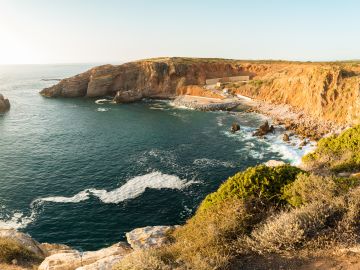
point(150, 236)
point(4, 104)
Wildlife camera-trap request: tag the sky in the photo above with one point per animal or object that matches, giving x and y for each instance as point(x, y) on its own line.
point(110, 31)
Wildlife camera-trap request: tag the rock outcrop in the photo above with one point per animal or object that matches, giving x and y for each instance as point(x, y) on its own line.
point(4, 104)
point(264, 129)
point(24, 240)
point(87, 260)
point(324, 91)
point(150, 236)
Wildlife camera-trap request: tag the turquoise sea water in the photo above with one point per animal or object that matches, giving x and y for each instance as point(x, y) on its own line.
point(77, 172)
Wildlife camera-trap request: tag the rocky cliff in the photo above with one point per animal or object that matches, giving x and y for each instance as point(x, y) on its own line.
point(4, 104)
point(326, 91)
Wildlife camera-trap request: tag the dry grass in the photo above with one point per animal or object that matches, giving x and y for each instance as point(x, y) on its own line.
point(11, 251)
point(326, 214)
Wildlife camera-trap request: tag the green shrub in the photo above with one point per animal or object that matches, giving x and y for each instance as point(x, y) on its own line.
point(265, 183)
point(11, 250)
point(339, 153)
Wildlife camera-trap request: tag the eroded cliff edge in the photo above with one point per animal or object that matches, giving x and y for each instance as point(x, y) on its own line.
point(325, 91)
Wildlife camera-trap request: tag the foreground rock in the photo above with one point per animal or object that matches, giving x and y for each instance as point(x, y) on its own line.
point(105, 257)
point(24, 240)
point(150, 236)
point(4, 104)
point(274, 163)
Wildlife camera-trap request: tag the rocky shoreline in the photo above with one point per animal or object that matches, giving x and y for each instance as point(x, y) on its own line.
point(62, 257)
point(205, 104)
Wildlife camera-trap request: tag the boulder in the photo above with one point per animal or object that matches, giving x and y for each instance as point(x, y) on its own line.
point(75, 259)
point(150, 236)
point(50, 249)
point(127, 96)
point(235, 127)
point(286, 137)
point(274, 163)
point(303, 143)
point(106, 263)
point(24, 240)
point(4, 104)
point(264, 129)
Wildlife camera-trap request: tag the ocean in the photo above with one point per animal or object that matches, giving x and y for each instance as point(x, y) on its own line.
point(83, 172)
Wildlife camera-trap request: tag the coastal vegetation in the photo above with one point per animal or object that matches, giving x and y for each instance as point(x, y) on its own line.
point(11, 252)
point(267, 211)
point(339, 153)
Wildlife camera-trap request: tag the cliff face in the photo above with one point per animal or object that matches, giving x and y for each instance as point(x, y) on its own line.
point(149, 78)
point(326, 91)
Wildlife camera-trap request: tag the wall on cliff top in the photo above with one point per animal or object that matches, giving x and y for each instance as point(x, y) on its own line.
point(326, 91)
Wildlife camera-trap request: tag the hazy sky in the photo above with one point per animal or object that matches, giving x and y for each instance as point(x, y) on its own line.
point(101, 31)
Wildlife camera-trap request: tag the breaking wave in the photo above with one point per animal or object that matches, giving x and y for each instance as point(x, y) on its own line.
point(132, 189)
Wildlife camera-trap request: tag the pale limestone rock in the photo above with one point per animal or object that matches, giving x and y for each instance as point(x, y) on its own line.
point(50, 249)
point(103, 264)
point(23, 239)
point(274, 163)
point(73, 260)
point(150, 236)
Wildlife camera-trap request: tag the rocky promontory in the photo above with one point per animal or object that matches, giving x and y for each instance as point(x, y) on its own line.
point(321, 91)
point(4, 104)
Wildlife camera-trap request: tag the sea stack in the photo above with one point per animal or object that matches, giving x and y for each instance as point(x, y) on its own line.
point(4, 104)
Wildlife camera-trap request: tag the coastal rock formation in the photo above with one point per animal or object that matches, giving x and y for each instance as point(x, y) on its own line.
point(323, 91)
point(235, 127)
point(4, 104)
point(74, 259)
point(286, 137)
point(264, 129)
point(153, 78)
point(24, 240)
point(150, 236)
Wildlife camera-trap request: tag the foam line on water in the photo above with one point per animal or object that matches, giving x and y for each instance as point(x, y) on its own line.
point(132, 189)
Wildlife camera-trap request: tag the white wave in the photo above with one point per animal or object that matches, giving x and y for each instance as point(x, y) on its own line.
point(102, 109)
point(81, 196)
point(17, 220)
point(213, 163)
point(130, 190)
point(102, 101)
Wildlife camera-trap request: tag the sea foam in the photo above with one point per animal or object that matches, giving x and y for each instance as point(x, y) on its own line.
point(130, 190)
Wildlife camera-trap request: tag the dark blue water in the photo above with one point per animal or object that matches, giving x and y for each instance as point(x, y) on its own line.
point(80, 173)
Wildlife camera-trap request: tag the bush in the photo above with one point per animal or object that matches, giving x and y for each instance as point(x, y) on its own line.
point(290, 230)
point(339, 153)
point(205, 242)
point(265, 183)
point(314, 188)
point(11, 250)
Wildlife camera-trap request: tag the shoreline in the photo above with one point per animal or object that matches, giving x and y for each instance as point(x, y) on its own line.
point(285, 115)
